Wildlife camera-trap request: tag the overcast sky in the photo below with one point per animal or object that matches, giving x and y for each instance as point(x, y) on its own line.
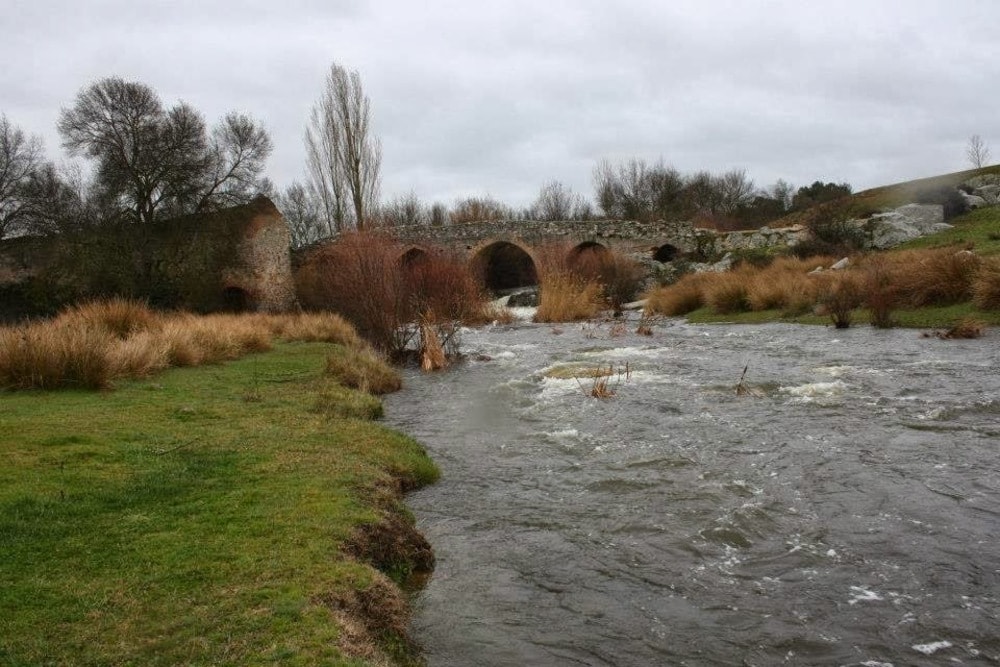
point(500, 97)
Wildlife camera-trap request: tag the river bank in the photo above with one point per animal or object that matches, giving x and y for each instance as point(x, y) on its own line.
point(226, 514)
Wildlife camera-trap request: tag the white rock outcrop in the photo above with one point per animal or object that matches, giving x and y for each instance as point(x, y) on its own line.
point(885, 230)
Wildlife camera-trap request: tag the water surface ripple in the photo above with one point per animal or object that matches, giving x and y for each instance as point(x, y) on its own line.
point(847, 515)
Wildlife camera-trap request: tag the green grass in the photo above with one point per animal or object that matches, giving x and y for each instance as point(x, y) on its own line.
point(196, 518)
point(979, 228)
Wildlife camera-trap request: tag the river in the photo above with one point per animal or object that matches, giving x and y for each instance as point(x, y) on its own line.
point(845, 511)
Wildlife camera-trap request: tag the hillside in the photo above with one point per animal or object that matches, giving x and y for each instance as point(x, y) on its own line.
point(891, 196)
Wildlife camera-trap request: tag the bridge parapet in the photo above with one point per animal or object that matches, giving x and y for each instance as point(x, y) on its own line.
point(622, 234)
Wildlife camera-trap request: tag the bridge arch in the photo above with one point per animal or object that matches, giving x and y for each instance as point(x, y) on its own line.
point(413, 255)
point(588, 248)
point(666, 253)
point(502, 264)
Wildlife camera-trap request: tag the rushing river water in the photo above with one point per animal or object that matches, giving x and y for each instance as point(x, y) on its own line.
point(848, 513)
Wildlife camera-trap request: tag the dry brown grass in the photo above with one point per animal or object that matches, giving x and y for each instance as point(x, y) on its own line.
point(986, 286)
point(681, 298)
point(728, 292)
point(318, 327)
point(564, 297)
point(937, 277)
point(93, 345)
point(967, 327)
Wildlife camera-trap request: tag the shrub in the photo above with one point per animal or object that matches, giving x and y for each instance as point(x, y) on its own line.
point(840, 293)
point(445, 285)
point(986, 286)
point(364, 370)
point(564, 297)
point(881, 295)
point(359, 276)
point(620, 277)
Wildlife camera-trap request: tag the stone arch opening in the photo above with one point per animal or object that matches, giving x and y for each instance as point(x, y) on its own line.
point(666, 253)
point(235, 299)
point(588, 249)
point(503, 265)
point(413, 257)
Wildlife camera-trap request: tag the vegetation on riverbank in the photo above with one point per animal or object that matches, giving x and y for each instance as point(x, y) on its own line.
point(935, 281)
point(237, 513)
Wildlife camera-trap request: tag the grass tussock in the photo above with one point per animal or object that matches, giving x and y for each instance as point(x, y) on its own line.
point(986, 287)
point(728, 292)
point(840, 295)
point(937, 277)
point(364, 370)
point(564, 297)
point(681, 298)
point(94, 345)
point(966, 328)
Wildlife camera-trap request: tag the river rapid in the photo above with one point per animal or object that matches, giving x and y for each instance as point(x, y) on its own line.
point(846, 511)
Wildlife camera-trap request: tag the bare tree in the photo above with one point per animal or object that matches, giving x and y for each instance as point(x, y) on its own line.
point(303, 214)
point(154, 162)
point(480, 209)
point(404, 210)
point(977, 152)
point(21, 160)
point(344, 158)
point(237, 152)
point(556, 201)
point(637, 190)
point(780, 191)
point(735, 189)
point(439, 214)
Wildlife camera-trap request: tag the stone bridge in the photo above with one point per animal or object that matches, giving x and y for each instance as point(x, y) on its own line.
point(507, 253)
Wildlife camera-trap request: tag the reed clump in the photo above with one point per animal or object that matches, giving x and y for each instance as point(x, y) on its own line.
point(564, 297)
point(986, 286)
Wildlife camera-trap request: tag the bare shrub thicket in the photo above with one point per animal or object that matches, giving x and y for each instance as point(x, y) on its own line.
point(364, 278)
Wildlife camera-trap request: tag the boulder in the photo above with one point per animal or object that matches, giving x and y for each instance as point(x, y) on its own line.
point(982, 180)
point(973, 201)
point(841, 264)
point(524, 299)
point(891, 228)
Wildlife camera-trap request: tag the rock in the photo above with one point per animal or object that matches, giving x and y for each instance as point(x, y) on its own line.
point(524, 299)
point(635, 305)
point(891, 228)
point(973, 201)
point(842, 264)
point(991, 193)
point(983, 180)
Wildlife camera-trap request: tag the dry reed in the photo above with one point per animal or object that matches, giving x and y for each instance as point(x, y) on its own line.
point(564, 297)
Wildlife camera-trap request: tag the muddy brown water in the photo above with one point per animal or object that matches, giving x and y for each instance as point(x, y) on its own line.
point(846, 514)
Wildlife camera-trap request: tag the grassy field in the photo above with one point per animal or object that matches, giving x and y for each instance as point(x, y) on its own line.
point(220, 515)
